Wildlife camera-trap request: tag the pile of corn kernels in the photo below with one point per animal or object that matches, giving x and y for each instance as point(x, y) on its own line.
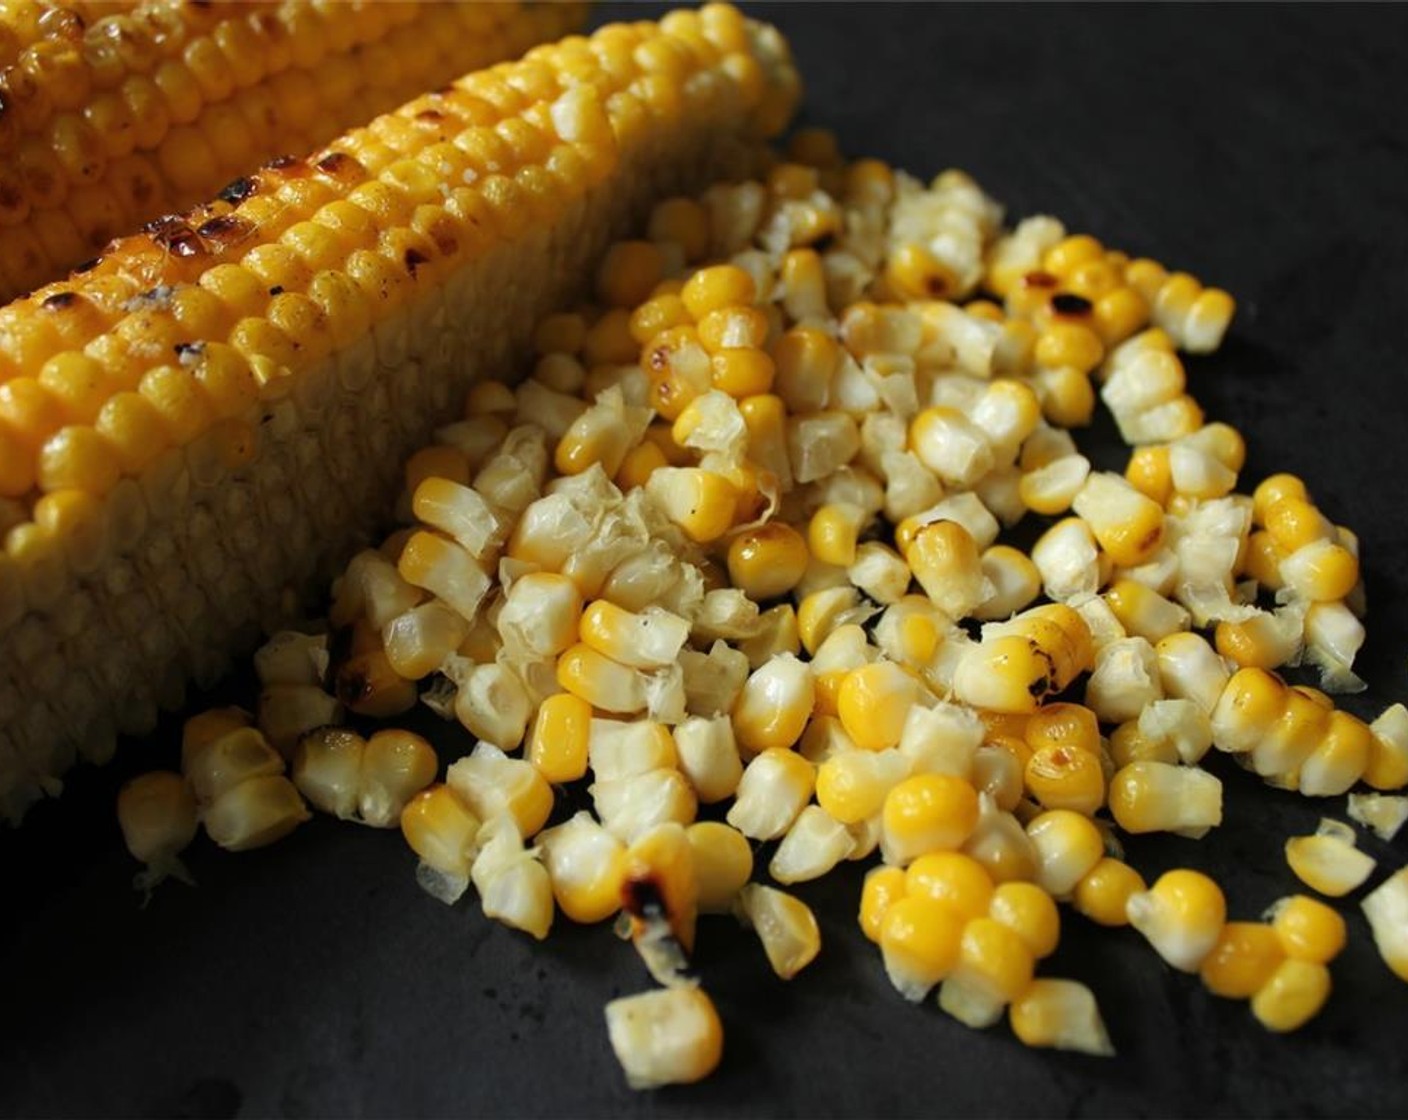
point(731, 554)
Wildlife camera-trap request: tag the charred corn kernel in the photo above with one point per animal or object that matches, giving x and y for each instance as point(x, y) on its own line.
point(1006, 674)
point(1061, 1015)
point(586, 865)
point(1148, 796)
point(723, 864)
point(1292, 996)
point(927, 813)
point(254, 813)
point(1066, 777)
point(670, 1036)
point(157, 815)
point(775, 787)
point(874, 702)
point(994, 967)
point(1386, 908)
point(1328, 861)
point(958, 881)
point(1182, 916)
point(1103, 892)
point(767, 561)
point(1307, 929)
point(660, 885)
point(492, 785)
point(883, 887)
point(1067, 846)
point(920, 940)
point(784, 924)
point(1245, 957)
point(851, 786)
point(774, 705)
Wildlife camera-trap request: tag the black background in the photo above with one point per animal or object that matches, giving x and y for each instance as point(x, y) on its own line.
point(1264, 149)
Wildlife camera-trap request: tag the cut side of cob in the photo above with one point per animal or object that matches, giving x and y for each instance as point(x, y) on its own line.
point(198, 429)
point(112, 114)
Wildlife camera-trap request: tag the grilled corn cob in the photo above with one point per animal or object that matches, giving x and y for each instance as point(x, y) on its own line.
point(111, 118)
point(216, 410)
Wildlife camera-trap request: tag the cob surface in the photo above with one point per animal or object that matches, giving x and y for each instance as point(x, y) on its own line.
point(217, 411)
point(112, 114)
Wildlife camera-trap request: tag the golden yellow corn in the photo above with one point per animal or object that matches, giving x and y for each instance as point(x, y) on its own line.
point(157, 814)
point(390, 287)
point(784, 924)
point(122, 141)
point(1182, 915)
point(1061, 1014)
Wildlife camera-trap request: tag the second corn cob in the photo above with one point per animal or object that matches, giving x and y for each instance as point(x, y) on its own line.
point(109, 119)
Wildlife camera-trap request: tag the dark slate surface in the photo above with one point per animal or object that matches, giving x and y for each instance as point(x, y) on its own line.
point(1264, 149)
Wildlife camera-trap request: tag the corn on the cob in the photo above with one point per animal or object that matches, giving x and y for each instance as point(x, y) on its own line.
point(240, 362)
point(128, 115)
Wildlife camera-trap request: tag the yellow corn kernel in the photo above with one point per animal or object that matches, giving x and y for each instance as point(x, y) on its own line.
point(883, 887)
point(874, 701)
point(493, 785)
point(254, 813)
point(157, 815)
point(1250, 704)
point(1066, 777)
point(833, 531)
point(1008, 674)
point(775, 787)
point(1272, 490)
point(1243, 960)
point(994, 967)
point(1294, 523)
point(1328, 861)
point(767, 561)
point(1069, 345)
point(718, 286)
point(557, 742)
point(670, 1036)
point(1067, 846)
point(1307, 929)
point(1148, 796)
point(628, 273)
point(1341, 758)
point(1060, 1014)
point(205, 727)
point(773, 708)
point(785, 925)
point(851, 785)
point(1063, 724)
point(1103, 893)
point(1128, 525)
point(327, 769)
point(723, 864)
point(1030, 913)
point(701, 502)
point(587, 866)
point(956, 880)
point(600, 681)
point(946, 561)
point(806, 360)
point(927, 813)
point(1294, 995)
point(920, 940)
point(1182, 916)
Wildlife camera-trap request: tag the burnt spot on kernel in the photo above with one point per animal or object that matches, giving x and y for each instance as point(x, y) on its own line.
point(238, 190)
point(1070, 304)
point(1039, 279)
point(60, 301)
point(340, 166)
point(170, 232)
point(225, 230)
point(430, 116)
point(414, 259)
point(288, 166)
point(87, 266)
point(643, 899)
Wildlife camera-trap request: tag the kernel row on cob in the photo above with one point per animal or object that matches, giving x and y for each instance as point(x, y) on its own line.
point(110, 119)
point(679, 561)
point(198, 429)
